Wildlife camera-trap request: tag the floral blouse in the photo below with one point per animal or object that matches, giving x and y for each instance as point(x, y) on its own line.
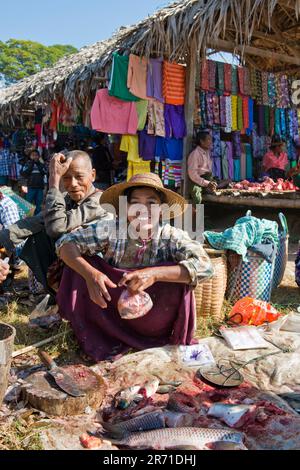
point(169, 245)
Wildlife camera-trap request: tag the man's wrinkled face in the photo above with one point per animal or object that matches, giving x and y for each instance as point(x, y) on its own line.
point(79, 179)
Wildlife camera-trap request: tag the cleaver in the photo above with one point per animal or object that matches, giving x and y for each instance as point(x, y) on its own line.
point(63, 380)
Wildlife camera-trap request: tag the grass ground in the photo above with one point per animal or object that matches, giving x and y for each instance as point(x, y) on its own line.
point(22, 433)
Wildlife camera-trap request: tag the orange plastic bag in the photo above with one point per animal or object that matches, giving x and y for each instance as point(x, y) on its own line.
point(248, 311)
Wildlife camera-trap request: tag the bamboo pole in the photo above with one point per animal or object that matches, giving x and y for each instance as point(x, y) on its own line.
point(192, 63)
point(229, 46)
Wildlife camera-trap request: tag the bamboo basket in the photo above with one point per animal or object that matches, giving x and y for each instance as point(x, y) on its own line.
point(210, 295)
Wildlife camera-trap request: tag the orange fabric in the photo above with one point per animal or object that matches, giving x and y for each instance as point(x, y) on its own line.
point(174, 83)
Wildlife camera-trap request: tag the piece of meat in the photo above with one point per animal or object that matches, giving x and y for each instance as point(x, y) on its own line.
point(90, 442)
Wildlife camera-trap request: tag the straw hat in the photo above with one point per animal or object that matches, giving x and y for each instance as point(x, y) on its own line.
point(150, 180)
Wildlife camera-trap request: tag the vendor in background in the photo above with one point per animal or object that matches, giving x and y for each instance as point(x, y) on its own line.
point(294, 173)
point(200, 169)
point(275, 160)
point(102, 162)
point(35, 171)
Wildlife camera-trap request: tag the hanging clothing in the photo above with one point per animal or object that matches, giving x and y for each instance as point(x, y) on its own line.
point(212, 75)
point(220, 78)
point(112, 115)
point(169, 148)
point(204, 75)
point(174, 83)
point(243, 165)
point(224, 161)
point(234, 113)
point(142, 112)
point(137, 76)
point(130, 145)
point(228, 106)
point(137, 168)
point(147, 145)
point(249, 162)
point(175, 125)
point(156, 119)
point(155, 79)
point(227, 78)
point(118, 82)
point(236, 170)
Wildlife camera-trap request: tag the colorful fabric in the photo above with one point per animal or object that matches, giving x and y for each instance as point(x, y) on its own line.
point(209, 109)
point(247, 231)
point(175, 125)
point(169, 148)
point(212, 75)
point(204, 75)
point(241, 80)
point(249, 162)
point(130, 145)
point(243, 165)
point(234, 113)
point(228, 106)
point(271, 89)
point(112, 115)
point(234, 80)
point(224, 161)
point(156, 119)
point(142, 112)
point(223, 111)
point(265, 88)
point(236, 142)
point(137, 76)
point(247, 84)
point(147, 145)
point(174, 83)
point(240, 122)
point(227, 78)
point(118, 82)
point(155, 79)
point(236, 170)
point(216, 109)
point(137, 168)
point(220, 78)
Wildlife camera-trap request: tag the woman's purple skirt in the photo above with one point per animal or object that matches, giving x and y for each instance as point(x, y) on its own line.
point(102, 332)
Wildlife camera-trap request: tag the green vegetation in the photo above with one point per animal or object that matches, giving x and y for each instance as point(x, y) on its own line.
point(20, 58)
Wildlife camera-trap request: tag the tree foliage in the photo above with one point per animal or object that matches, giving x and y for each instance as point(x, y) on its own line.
point(20, 58)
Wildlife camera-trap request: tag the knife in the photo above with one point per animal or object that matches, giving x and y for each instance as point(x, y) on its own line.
point(63, 380)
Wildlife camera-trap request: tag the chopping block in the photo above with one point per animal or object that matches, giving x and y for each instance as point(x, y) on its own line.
point(42, 393)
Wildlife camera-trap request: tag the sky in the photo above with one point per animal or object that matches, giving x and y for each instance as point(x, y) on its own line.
point(75, 22)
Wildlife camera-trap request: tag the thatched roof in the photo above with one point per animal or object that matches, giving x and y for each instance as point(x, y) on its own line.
point(267, 24)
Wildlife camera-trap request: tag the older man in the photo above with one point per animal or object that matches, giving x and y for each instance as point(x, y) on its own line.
point(64, 211)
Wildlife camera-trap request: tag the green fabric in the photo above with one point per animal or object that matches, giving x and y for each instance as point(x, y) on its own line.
point(118, 84)
point(142, 110)
point(248, 231)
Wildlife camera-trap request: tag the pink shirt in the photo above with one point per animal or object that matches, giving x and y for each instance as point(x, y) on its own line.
point(199, 163)
point(113, 116)
point(137, 76)
point(270, 160)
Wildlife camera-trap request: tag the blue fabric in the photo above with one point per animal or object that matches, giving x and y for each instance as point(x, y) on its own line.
point(267, 251)
point(169, 148)
point(237, 170)
point(249, 162)
point(35, 196)
point(247, 231)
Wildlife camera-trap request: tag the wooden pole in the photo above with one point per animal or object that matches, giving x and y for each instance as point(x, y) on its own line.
point(232, 47)
point(192, 63)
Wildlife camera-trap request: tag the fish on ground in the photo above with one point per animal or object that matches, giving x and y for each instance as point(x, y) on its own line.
point(172, 438)
point(234, 416)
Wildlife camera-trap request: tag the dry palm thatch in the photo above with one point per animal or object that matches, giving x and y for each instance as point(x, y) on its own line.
point(268, 24)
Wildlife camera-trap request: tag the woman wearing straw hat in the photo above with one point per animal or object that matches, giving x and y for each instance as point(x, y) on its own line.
point(275, 160)
point(152, 257)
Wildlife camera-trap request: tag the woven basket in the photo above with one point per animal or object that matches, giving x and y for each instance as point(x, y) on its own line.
point(210, 295)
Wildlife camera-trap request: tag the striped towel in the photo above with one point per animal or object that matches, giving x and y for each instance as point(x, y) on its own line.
point(174, 83)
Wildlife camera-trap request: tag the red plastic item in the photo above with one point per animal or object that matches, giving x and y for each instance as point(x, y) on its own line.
point(248, 311)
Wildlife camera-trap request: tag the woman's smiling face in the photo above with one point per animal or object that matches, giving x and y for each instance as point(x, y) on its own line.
point(144, 208)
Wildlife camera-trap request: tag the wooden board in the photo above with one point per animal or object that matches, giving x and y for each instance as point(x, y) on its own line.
point(42, 393)
point(252, 201)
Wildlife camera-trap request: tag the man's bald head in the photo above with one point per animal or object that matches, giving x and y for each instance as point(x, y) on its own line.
point(78, 180)
point(80, 154)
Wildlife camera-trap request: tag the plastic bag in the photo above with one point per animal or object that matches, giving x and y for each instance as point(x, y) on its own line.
point(43, 316)
point(134, 306)
point(255, 312)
